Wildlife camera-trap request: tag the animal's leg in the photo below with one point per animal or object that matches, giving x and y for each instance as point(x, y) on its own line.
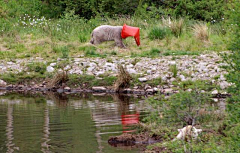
point(119, 43)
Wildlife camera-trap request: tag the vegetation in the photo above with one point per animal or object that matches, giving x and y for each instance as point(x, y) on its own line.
point(52, 29)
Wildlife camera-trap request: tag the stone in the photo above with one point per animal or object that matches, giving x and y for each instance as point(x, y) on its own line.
point(132, 71)
point(224, 85)
point(168, 90)
point(99, 89)
point(142, 79)
point(53, 64)
point(50, 69)
point(182, 77)
point(172, 62)
point(3, 83)
point(150, 91)
point(214, 92)
point(67, 88)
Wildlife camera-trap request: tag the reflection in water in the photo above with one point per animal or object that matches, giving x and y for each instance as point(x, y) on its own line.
point(9, 129)
point(46, 128)
point(65, 123)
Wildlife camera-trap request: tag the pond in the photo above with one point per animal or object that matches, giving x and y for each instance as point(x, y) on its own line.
point(53, 122)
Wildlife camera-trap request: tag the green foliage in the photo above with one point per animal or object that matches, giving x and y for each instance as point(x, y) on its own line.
point(159, 33)
point(37, 67)
point(63, 50)
point(180, 109)
point(13, 78)
point(174, 70)
point(197, 85)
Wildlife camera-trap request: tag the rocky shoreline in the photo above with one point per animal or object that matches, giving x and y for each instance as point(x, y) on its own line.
point(202, 67)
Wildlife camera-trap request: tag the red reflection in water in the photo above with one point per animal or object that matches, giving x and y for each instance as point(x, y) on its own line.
point(128, 120)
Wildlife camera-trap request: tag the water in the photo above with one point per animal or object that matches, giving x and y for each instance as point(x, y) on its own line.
point(66, 123)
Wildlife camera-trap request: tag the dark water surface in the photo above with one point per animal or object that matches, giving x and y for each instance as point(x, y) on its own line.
point(32, 123)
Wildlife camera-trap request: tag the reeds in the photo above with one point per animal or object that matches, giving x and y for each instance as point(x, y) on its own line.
point(123, 79)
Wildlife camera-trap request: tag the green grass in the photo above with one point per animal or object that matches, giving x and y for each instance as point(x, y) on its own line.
point(159, 33)
point(47, 39)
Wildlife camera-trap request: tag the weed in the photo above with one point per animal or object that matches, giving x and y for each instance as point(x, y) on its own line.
point(82, 38)
point(59, 79)
point(176, 26)
point(123, 79)
point(201, 31)
point(159, 33)
point(37, 67)
point(174, 70)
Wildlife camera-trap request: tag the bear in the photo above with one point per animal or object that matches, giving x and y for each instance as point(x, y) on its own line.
point(107, 33)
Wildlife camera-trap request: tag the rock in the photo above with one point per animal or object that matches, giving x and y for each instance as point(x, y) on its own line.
point(50, 69)
point(172, 62)
point(99, 89)
point(172, 79)
point(142, 79)
point(150, 91)
point(132, 71)
point(223, 85)
point(182, 77)
point(168, 90)
point(53, 64)
point(90, 69)
point(214, 92)
point(99, 73)
point(3, 83)
point(67, 88)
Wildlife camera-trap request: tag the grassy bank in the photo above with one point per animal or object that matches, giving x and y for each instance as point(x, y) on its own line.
point(29, 36)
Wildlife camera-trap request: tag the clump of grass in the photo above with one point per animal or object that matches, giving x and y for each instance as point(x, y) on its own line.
point(159, 33)
point(174, 70)
point(123, 79)
point(37, 67)
point(201, 31)
point(64, 50)
point(82, 38)
point(176, 26)
point(59, 79)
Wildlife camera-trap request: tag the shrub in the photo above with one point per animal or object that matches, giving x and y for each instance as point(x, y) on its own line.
point(176, 26)
point(159, 33)
point(201, 31)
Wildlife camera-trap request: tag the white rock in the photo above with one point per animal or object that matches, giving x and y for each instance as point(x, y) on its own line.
point(99, 88)
point(50, 69)
point(182, 77)
point(224, 85)
point(214, 92)
point(132, 71)
point(90, 69)
point(53, 64)
point(99, 73)
point(142, 79)
point(172, 62)
point(2, 83)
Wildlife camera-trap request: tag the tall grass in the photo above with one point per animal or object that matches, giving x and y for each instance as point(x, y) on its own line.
point(176, 25)
point(201, 31)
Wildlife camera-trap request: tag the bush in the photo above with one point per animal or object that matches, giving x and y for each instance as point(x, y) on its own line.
point(201, 31)
point(159, 33)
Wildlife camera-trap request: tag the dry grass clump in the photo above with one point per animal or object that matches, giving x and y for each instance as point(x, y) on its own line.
point(59, 79)
point(176, 26)
point(201, 31)
point(123, 79)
